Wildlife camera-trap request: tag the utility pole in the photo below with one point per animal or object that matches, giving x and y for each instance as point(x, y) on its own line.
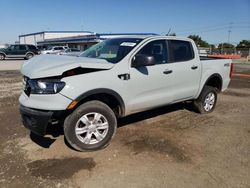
point(169, 31)
point(229, 31)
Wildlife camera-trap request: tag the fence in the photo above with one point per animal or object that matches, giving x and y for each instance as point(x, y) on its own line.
point(244, 52)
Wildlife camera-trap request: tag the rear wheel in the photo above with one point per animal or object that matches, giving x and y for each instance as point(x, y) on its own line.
point(90, 127)
point(207, 100)
point(2, 56)
point(29, 56)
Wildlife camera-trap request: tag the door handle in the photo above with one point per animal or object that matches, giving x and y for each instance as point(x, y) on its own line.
point(194, 67)
point(167, 71)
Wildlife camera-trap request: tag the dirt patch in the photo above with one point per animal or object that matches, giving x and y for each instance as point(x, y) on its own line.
point(236, 94)
point(239, 83)
point(10, 123)
point(10, 88)
point(60, 168)
point(156, 145)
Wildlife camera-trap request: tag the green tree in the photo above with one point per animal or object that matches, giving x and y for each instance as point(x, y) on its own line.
point(244, 48)
point(226, 48)
point(198, 41)
point(244, 44)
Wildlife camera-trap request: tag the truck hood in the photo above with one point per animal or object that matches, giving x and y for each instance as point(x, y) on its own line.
point(43, 66)
point(2, 49)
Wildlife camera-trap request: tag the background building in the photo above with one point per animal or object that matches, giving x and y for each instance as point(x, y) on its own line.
point(74, 39)
point(39, 37)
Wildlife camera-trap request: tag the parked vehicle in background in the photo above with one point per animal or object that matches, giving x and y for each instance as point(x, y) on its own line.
point(25, 51)
point(71, 52)
point(54, 49)
point(203, 52)
point(116, 78)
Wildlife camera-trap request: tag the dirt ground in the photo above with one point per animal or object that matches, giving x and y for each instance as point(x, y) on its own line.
point(167, 147)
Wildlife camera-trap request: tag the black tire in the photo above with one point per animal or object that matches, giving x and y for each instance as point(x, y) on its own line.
point(29, 56)
point(2, 56)
point(200, 103)
point(78, 141)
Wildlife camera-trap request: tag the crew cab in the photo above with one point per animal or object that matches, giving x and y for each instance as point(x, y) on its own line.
point(113, 79)
point(25, 51)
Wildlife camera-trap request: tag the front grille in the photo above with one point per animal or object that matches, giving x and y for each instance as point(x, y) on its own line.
point(26, 86)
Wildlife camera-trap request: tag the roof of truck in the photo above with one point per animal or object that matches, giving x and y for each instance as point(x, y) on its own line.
point(153, 37)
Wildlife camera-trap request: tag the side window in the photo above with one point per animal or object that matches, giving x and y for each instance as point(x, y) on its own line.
point(22, 47)
point(12, 47)
point(32, 47)
point(180, 51)
point(157, 49)
point(16, 47)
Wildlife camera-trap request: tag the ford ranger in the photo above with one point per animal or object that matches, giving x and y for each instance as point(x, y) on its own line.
point(113, 79)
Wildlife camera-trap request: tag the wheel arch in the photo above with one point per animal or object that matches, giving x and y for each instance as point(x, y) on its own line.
point(215, 80)
point(29, 52)
point(107, 96)
point(3, 54)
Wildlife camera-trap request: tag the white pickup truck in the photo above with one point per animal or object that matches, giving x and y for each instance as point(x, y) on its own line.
point(113, 79)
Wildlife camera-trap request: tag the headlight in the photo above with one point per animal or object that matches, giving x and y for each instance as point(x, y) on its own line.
point(46, 86)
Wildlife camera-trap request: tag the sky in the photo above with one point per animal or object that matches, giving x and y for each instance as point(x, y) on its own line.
point(211, 19)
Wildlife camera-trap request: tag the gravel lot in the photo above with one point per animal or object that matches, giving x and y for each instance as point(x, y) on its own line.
point(10, 64)
point(167, 147)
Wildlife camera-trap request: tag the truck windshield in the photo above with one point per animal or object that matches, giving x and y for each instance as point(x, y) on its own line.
point(113, 50)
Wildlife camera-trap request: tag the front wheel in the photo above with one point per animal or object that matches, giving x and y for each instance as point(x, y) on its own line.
point(90, 127)
point(2, 56)
point(207, 100)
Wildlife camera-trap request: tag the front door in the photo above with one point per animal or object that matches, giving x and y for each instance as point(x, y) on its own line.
point(21, 50)
point(150, 86)
point(11, 51)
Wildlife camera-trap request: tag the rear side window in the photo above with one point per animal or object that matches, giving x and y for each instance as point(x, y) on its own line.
point(180, 51)
point(32, 47)
point(75, 50)
point(58, 48)
point(22, 47)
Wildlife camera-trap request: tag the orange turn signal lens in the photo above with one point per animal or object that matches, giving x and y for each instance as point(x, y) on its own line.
point(72, 105)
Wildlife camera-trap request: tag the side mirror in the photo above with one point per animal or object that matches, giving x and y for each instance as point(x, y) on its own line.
point(142, 60)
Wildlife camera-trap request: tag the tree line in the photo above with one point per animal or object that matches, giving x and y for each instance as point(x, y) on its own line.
point(243, 45)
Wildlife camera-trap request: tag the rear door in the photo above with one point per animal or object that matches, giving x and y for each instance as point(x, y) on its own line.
point(21, 50)
point(186, 69)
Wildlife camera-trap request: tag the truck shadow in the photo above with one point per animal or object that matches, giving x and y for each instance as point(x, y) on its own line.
point(44, 142)
point(153, 113)
point(57, 130)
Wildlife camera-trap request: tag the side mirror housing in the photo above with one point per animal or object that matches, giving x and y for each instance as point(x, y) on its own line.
point(142, 60)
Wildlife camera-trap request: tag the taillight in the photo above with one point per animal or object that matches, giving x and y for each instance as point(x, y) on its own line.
point(231, 70)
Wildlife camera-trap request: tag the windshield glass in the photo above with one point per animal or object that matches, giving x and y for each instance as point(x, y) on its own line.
point(112, 50)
